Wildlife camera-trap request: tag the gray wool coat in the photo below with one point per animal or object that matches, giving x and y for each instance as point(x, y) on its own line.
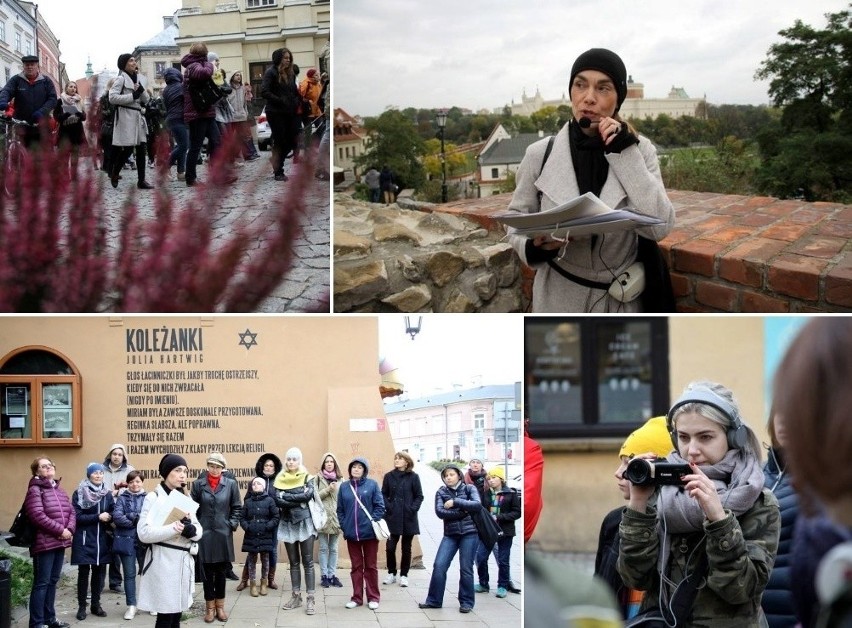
point(633, 181)
point(167, 584)
point(130, 127)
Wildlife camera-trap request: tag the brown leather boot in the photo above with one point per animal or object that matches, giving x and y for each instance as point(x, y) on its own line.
point(221, 615)
point(210, 611)
point(243, 579)
point(271, 579)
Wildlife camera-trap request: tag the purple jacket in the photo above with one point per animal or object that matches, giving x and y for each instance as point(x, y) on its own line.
point(50, 509)
point(198, 68)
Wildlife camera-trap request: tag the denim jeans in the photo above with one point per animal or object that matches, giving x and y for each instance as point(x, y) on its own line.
point(128, 566)
point(466, 547)
point(328, 554)
point(180, 133)
point(47, 568)
point(501, 553)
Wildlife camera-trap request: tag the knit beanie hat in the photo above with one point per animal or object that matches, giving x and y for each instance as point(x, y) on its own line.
point(605, 61)
point(216, 458)
point(122, 61)
point(293, 452)
point(262, 482)
point(94, 467)
point(212, 56)
point(497, 472)
point(652, 436)
point(169, 462)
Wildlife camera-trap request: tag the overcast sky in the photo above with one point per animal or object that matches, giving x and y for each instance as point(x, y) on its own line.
point(102, 29)
point(454, 349)
point(482, 54)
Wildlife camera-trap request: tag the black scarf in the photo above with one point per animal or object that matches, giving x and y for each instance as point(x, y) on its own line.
point(133, 77)
point(587, 154)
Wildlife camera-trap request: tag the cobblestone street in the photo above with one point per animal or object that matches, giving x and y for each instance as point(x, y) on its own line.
point(254, 195)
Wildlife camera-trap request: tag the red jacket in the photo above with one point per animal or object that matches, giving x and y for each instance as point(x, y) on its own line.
point(533, 472)
point(50, 509)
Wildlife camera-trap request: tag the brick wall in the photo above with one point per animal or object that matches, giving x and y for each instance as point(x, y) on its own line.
point(731, 253)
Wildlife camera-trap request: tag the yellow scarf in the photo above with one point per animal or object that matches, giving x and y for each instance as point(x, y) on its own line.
point(286, 480)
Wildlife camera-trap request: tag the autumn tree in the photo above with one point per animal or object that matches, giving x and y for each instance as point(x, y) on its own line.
point(394, 142)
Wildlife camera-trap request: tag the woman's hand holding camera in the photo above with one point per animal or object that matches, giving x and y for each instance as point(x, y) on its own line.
point(639, 495)
point(702, 489)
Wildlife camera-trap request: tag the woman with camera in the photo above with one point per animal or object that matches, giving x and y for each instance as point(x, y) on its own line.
point(704, 551)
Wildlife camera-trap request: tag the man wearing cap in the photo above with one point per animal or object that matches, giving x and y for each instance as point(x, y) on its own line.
point(116, 469)
point(595, 152)
point(34, 96)
point(653, 437)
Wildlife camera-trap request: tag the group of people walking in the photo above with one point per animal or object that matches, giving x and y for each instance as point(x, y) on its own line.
point(113, 526)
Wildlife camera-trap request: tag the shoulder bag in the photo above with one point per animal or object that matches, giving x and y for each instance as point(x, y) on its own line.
point(318, 514)
point(23, 529)
point(380, 526)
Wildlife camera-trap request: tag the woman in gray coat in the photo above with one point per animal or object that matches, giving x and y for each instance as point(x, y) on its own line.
point(219, 512)
point(168, 570)
point(595, 152)
point(128, 97)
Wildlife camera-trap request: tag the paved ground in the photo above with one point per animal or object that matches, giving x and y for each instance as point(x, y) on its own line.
point(307, 285)
point(398, 607)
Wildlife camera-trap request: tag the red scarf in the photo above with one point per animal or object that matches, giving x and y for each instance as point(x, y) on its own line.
point(213, 481)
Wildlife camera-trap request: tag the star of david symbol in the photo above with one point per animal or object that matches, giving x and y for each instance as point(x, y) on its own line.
point(247, 339)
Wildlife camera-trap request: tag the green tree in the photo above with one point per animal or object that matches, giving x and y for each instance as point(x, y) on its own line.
point(394, 142)
point(810, 75)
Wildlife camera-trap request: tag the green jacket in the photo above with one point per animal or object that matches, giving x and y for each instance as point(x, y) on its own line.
point(740, 554)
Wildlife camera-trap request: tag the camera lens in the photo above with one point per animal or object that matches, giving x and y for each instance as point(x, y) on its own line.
point(639, 472)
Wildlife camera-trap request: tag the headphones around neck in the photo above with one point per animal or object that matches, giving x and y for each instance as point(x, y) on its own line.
point(736, 431)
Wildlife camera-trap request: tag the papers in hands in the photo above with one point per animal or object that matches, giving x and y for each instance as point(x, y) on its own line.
point(173, 508)
point(583, 215)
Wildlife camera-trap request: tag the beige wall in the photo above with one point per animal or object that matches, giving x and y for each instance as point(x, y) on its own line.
point(579, 486)
point(317, 386)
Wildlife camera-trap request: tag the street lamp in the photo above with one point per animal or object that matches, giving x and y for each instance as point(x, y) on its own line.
point(441, 117)
point(413, 330)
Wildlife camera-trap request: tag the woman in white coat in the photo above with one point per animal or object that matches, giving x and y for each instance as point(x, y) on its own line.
point(168, 571)
point(128, 97)
point(595, 152)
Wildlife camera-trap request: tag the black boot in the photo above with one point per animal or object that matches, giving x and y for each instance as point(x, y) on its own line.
point(98, 610)
point(81, 613)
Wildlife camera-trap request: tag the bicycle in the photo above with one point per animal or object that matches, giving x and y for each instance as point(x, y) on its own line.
point(13, 154)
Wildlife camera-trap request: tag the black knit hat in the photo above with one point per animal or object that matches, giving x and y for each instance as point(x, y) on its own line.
point(605, 61)
point(169, 462)
point(122, 61)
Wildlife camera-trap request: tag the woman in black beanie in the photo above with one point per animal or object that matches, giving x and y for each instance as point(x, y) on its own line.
point(598, 152)
point(168, 571)
point(130, 130)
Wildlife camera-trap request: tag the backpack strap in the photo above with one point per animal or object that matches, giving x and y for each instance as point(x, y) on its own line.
point(544, 161)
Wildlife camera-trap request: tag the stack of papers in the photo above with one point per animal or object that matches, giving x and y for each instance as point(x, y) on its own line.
point(584, 215)
point(173, 508)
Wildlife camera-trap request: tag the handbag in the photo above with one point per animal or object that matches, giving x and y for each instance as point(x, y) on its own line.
point(204, 94)
point(318, 514)
point(486, 527)
point(23, 529)
point(380, 526)
point(124, 545)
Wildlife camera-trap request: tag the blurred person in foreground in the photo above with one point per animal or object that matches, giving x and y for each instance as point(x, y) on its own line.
point(812, 398)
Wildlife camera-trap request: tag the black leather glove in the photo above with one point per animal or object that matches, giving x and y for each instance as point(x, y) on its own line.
point(537, 255)
point(624, 139)
point(137, 93)
point(188, 531)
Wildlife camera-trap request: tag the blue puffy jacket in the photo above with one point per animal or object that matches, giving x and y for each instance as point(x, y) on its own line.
point(457, 520)
point(354, 522)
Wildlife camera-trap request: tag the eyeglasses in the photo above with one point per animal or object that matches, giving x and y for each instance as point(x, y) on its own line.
point(49, 465)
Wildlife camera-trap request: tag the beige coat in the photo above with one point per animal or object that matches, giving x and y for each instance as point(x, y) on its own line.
point(130, 127)
point(634, 181)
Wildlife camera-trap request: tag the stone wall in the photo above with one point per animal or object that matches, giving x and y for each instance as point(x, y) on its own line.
point(729, 253)
point(408, 258)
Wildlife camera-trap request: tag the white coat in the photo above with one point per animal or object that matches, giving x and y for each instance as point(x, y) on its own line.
point(633, 181)
point(130, 127)
point(167, 584)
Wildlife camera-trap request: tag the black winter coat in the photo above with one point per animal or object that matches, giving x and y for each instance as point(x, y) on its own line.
point(259, 519)
point(457, 520)
point(219, 515)
point(777, 602)
point(510, 508)
point(293, 502)
point(31, 100)
point(90, 545)
point(403, 497)
point(607, 557)
point(281, 98)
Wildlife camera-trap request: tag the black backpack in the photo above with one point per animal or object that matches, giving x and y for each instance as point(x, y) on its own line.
point(23, 529)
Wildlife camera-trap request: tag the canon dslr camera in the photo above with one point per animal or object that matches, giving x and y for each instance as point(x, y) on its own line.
point(644, 472)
